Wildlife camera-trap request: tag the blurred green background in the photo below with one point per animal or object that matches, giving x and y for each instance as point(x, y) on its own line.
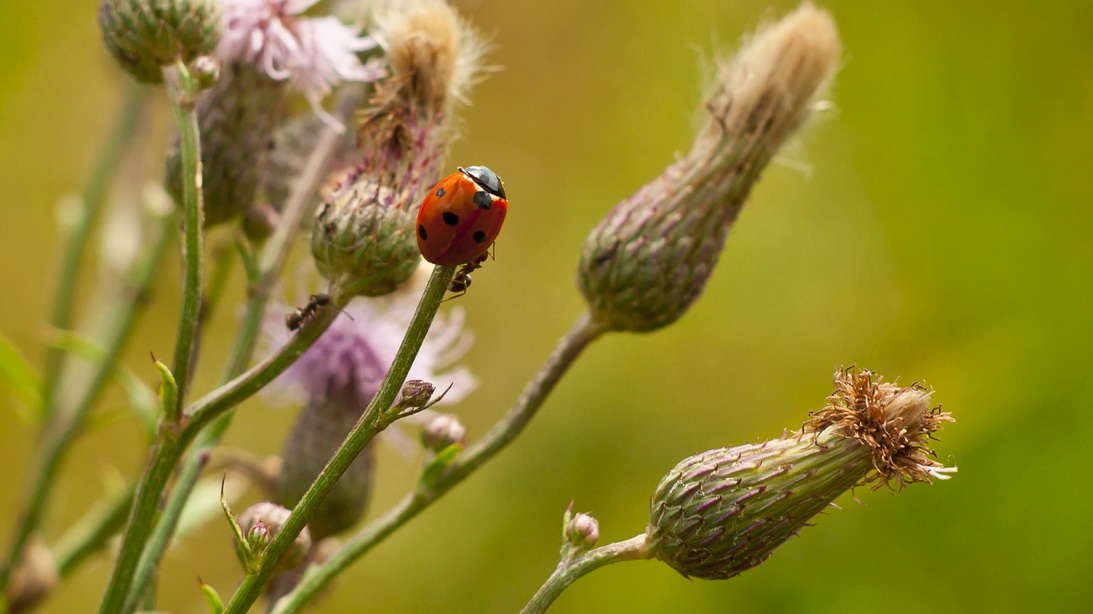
point(938, 233)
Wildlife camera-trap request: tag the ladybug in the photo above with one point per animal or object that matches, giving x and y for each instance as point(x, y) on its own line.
point(461, 216)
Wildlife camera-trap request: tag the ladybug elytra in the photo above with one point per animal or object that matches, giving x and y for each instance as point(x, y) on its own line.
point(461, 216)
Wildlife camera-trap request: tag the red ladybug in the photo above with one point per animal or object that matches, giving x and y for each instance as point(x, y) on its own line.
point(461, 216)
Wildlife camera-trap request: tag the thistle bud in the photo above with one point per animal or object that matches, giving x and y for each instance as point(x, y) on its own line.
point(441, 431)
point(145, 36)
point(319, 431)
point(415, 394)
point(582, 531)
point(262, 522)
point(32, 579)
point(236, 119)
point(364, 239)
point(649, 259)
point(724, 511)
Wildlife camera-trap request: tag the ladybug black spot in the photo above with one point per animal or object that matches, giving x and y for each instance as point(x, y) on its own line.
point(478, 236)
point(439, 192)
point(450, 218)
point(421, 232)
point(482, 200)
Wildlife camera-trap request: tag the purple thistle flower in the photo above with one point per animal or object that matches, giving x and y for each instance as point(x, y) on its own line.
point(313, 54)
point(358, 348)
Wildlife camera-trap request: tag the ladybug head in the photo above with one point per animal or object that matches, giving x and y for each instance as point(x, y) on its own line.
point(486, 179)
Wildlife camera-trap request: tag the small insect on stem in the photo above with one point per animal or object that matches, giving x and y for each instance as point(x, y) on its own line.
point(462, 279)
point(298, 317)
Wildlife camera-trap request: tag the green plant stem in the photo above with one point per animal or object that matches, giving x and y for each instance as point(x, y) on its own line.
point(261, 279)
point(91, 201)
point(174, 441)
point(583, 333)
point(568, 572)
point(371, 422)
point(181, 91)
point(91, 532)
point(68, 421)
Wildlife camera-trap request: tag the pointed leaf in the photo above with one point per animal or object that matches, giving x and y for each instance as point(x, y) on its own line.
point(212, 598)
point(16, 371)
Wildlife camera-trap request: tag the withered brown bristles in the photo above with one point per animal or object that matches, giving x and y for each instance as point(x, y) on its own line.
point(894, 422)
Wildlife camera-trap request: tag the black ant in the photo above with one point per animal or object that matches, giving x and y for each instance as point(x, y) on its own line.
point(462, 278)
point(295, 319)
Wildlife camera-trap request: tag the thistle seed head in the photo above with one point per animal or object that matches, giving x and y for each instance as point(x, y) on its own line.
point(721, 512)
point(146, 35)
point(645, 264)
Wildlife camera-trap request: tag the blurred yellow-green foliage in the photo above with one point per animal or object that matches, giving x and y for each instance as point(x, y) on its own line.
point(933, 226)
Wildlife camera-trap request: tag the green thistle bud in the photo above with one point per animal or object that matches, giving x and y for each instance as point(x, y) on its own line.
point(146, 35)
point(319, 431)
point(237, 119)
point(648, 261)
point(363, 240)
point(724, 511)
point(262, 522)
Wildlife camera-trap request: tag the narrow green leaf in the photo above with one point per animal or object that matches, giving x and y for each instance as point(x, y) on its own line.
point(212, 598)
point(436, 468)
point(168, 390)
point(25, 384)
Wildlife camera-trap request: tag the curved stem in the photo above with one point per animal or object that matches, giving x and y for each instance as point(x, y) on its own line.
point(181, 90)
point(261, 279)
point(371, 422)
point(92, 200)
point(568, 572)
point(174, 441)
point(583, 333)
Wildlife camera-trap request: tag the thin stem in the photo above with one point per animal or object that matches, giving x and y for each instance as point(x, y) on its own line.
point(92, 200)
point(173, 443)
point(67, 422)
point(181, 90)
point(584, 331)
point(568, 572)
point(91, 532)
point(261, 281)
point(372, 421)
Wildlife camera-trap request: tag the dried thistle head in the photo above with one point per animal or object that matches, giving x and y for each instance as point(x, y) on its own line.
point(722, 512)
point(364, 239)
point(650, 258)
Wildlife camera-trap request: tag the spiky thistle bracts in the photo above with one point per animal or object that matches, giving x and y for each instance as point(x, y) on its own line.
point(645, 264)
point(719, 513)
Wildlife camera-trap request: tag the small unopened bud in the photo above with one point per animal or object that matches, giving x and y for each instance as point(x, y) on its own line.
point(415, 394)
point(583, 531)
point(33, 578)
point(146, 36)
point(722, 512)
point(259, 536)
point(441, 431)
point(205, 71)
point(645, 264)
point(262, 522)
point(363, 240)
